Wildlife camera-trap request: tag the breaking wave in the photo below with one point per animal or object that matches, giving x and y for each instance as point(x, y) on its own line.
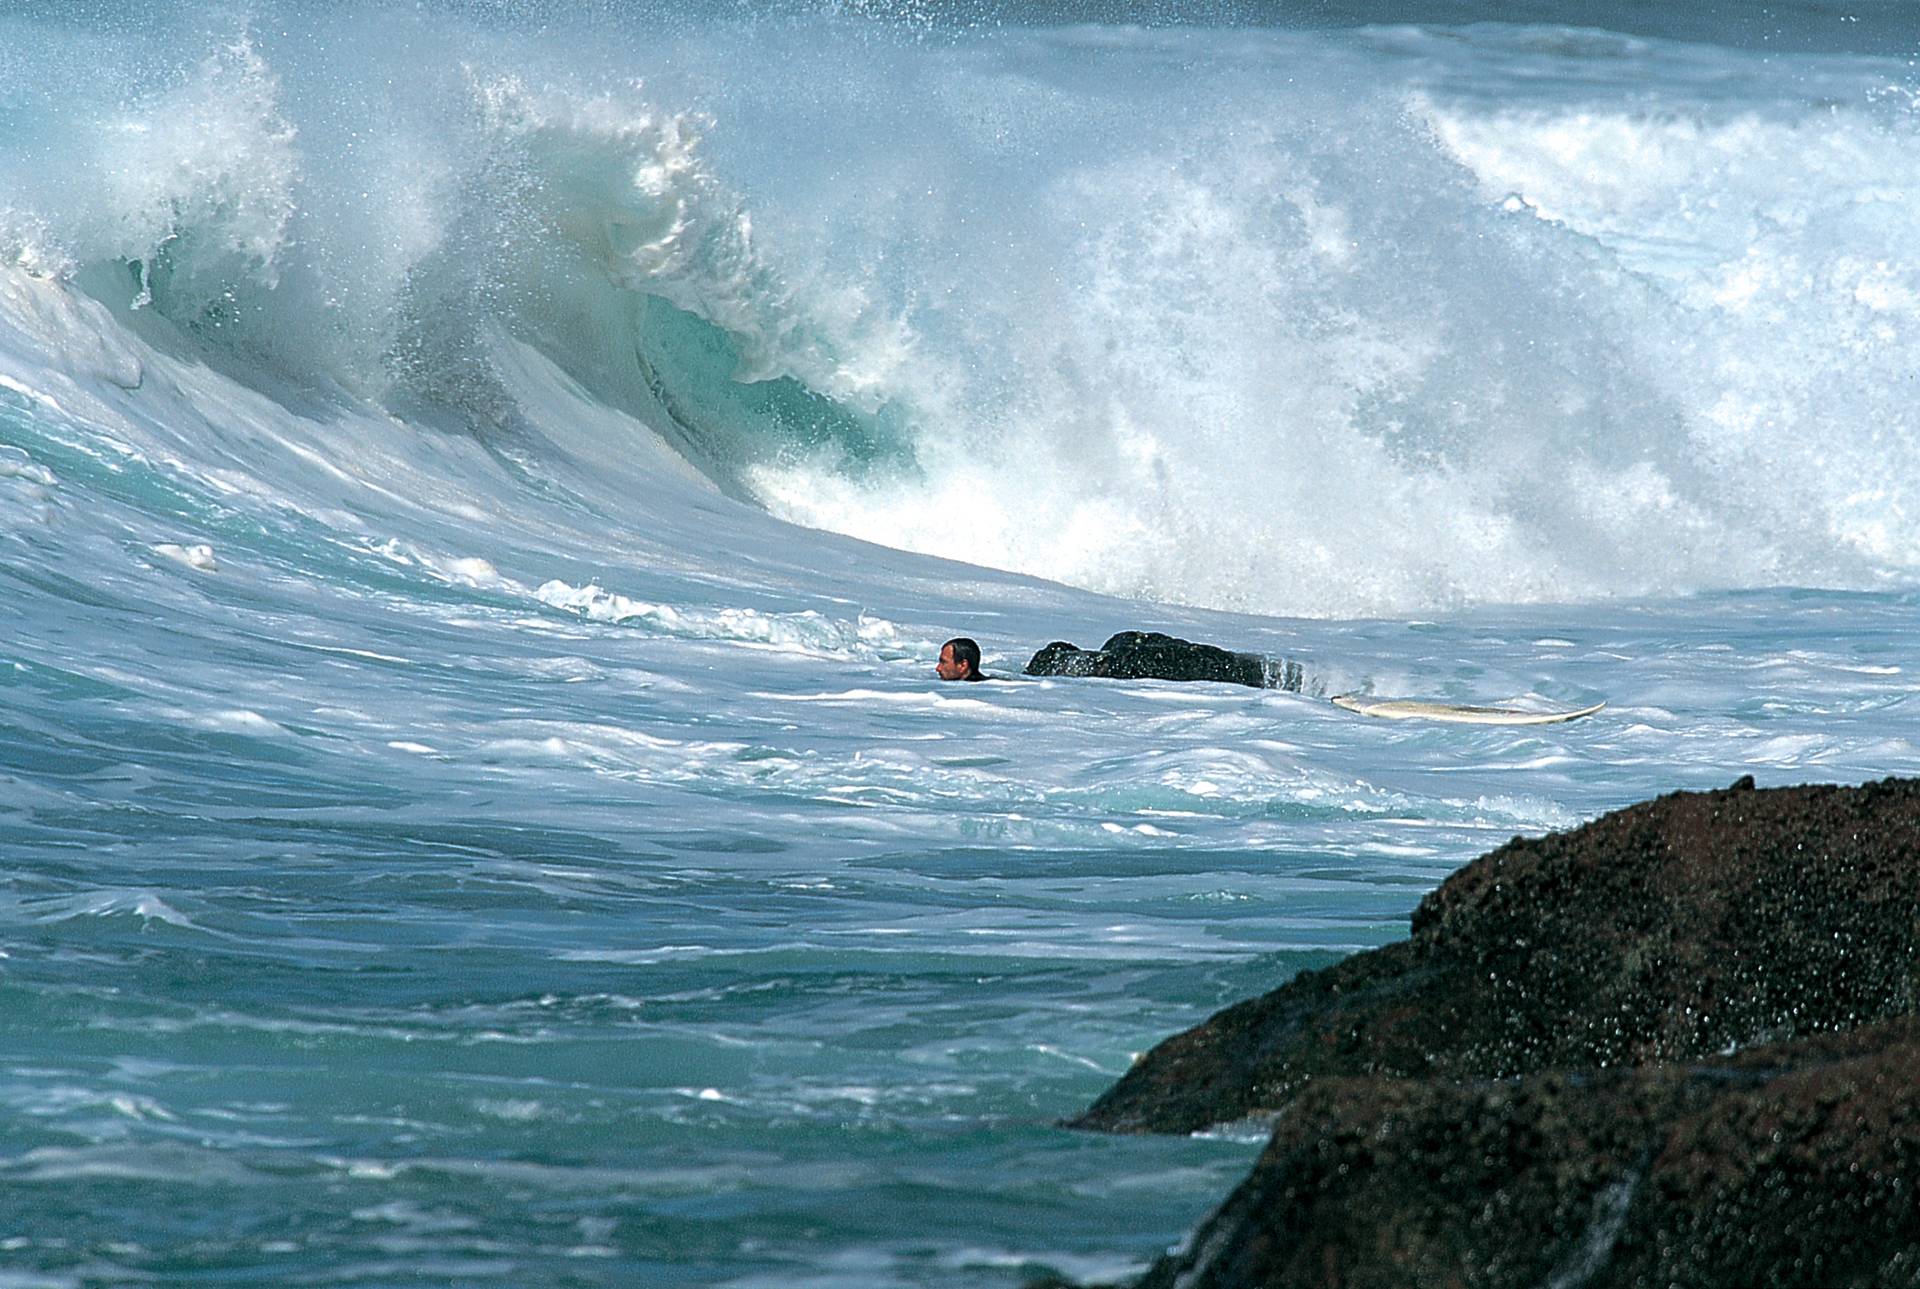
point(1180, 314)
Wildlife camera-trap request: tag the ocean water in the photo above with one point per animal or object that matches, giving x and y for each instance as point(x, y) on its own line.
point(482, 490)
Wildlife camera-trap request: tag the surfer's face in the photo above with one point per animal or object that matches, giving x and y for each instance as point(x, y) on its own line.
point(950, 668)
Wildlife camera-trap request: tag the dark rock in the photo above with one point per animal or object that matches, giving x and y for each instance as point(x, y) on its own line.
point(1062, 658)
point(1149, 655)
point(1669, 931)
point(1789, 1165)
point(1677, 1046)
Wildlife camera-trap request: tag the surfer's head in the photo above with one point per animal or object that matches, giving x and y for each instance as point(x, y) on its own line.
point(959, 660)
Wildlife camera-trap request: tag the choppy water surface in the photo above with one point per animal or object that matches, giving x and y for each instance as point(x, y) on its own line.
point(457, 829)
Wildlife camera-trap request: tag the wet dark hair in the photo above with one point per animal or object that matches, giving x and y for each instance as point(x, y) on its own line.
point(966, 650)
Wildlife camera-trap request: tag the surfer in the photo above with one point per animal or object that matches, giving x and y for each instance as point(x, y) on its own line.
point(1136, 655)
point(1151, 655)
point(959, 660)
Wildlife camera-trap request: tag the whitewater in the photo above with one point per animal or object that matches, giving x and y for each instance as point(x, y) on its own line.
point(482, 490)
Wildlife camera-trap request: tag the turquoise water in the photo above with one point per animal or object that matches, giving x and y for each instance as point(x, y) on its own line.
point(475, 802)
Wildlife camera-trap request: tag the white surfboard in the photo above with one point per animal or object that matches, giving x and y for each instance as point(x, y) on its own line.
point(1402, 709)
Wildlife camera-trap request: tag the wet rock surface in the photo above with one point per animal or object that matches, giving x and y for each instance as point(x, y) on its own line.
point(1150, 655)
point(1674, 929)
point(1790, 1166)
point(1677, 1046)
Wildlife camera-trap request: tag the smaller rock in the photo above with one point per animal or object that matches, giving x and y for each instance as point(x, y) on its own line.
point(1152, 655)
